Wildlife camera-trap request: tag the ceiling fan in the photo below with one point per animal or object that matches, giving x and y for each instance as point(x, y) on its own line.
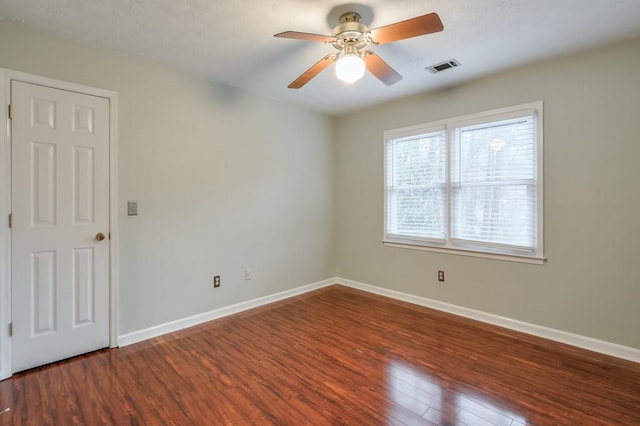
point(351, 38)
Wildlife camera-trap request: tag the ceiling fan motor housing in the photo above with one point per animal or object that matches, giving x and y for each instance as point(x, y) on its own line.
point(351, 31)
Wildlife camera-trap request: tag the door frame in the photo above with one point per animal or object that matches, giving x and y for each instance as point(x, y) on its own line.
point(6, 76)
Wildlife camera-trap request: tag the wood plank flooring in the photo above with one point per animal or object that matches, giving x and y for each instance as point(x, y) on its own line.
point(333, 356)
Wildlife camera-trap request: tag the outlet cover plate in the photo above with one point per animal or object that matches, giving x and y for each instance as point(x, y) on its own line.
point(132, 208)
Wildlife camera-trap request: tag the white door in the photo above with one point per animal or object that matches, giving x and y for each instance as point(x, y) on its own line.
point(60, 205)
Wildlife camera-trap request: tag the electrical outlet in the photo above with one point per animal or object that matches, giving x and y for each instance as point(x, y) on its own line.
point(216, 281)
point(248, 274)
point(441, 276)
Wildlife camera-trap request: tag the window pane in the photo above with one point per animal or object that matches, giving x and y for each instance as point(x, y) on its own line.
point(498, 151)
point(420, 160)
point(416, 186)
point(420, 212)
point(493, 183)
point(495, 214)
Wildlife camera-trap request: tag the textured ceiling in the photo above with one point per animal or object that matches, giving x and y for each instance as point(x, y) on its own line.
point(232, 41)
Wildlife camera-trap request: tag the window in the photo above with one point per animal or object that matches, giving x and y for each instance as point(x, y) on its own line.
point(469, 185)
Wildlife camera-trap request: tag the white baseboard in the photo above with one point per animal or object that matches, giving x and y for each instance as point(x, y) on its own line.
point(601, 346)
point(169, 327)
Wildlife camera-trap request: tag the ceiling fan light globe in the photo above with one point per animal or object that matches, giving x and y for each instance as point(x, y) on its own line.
point(350, 68)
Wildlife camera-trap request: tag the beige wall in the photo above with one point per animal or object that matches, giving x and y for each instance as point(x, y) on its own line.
point(227, 181)
point(591, 282)
point(224, 180)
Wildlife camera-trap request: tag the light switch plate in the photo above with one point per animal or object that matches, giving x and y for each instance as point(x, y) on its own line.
point(132, 208)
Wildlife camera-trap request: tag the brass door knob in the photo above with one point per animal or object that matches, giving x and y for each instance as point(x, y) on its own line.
point(99, 236)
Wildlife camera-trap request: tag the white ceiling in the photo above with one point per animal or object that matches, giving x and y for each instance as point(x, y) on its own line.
point(232, 41)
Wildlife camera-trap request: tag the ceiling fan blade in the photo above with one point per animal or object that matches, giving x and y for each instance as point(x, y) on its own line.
point(381, 69)
point(306, 36)
point(413, 27)
point(313, 71)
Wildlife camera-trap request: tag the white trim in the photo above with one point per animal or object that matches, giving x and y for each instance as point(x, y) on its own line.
point(479, 120)
point(539, 128)
point(591, 344)
point(588, 343)
point(5, 232)
point(114, 262)
point(468, 253)
point(5, 204)
point(512, 111)
point(411, 131)
point(170, 327)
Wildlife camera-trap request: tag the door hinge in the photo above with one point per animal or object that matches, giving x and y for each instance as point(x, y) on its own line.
point(10, 111)
point(10, 220)
point(10, 329)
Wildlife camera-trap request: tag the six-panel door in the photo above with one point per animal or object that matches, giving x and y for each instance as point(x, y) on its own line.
point(60, 202)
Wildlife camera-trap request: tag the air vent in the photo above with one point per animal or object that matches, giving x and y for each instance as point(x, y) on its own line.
point(443, 66)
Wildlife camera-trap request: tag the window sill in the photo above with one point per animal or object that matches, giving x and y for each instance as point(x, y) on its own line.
point(459, 252)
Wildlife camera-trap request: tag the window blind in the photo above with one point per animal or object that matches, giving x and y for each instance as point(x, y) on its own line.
point(469, 183)
point(416, 186)
point(493, 183)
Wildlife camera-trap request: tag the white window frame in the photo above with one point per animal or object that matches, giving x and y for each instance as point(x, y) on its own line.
point(492, 251)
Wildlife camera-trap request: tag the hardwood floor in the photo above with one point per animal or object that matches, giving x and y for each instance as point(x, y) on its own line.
point(334, 356)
